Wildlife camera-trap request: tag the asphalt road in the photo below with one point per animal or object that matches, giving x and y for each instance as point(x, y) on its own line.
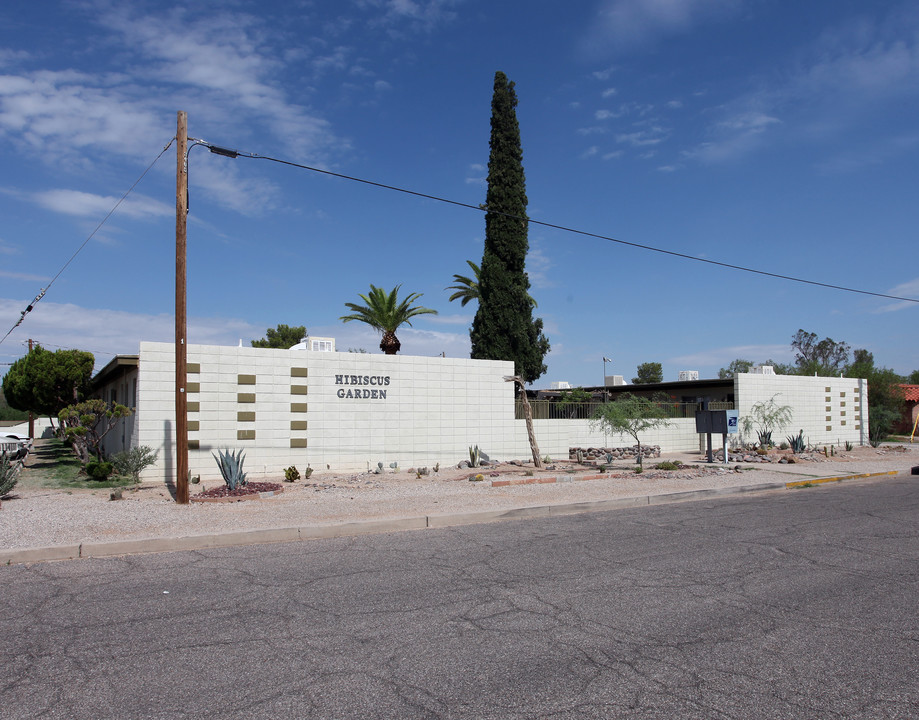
point(796, 604)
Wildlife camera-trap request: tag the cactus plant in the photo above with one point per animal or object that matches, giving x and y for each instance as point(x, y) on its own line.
point(475, 456)
point(231, 468)
point(291, 474)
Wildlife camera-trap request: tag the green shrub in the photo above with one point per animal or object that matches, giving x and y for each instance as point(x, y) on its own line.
point(131, 463)
point(99, 469)
point(668, 465)
point(9, 474)
point(291, 474)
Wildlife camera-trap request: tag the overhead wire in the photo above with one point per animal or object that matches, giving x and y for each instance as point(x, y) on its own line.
point(98, 227)
point(232, 153)
point(564, 228)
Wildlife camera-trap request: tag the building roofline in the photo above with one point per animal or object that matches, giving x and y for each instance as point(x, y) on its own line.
point(116, 365)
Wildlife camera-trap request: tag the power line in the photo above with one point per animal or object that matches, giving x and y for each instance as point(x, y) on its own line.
point(98, 227)
point(481, 208)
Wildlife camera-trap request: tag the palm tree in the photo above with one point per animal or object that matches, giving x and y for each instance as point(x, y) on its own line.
point(466, 288)
point(384, 312)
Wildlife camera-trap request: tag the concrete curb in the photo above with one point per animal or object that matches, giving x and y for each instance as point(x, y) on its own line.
point(839, 478)
point(349, 529)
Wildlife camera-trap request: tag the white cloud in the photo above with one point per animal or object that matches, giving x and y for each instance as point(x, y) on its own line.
point(223, 66)
point(855, 77)
point(642, 138)
point(111, 332)
point(425, 14)
point(538, 265)
point(604, 74)
point(907, 289)
point(477, 174)
point(609, 92)
point(83, 204)
point(226, 54)
point(733, 137)
point(456, 319)
point(622, 25)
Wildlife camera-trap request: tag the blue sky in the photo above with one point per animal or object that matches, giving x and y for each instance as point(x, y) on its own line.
point(769, 134)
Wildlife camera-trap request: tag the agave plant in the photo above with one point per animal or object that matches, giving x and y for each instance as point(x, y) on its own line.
point(796, 443)
point(231, 467)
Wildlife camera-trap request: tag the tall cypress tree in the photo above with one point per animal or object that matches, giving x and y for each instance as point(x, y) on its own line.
point(504, 328)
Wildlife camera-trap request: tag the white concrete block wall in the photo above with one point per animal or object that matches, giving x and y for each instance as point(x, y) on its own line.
point(829, 410)
point(679, 436)
point(434, 408)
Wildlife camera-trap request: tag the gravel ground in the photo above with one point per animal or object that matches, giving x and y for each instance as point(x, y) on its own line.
point(32, 518)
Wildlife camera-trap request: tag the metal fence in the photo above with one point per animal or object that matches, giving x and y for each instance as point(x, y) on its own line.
point(551, 410)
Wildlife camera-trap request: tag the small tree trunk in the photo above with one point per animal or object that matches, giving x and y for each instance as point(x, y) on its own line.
point(528, 415)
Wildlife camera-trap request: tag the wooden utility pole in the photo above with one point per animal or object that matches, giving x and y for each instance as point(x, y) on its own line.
point(180, 344)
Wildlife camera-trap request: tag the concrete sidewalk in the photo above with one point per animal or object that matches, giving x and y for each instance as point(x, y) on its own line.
point(478, 507)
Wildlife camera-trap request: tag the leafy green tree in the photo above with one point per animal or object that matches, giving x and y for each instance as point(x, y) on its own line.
point(885, 396)
point(913, 378)
point(10, 414)
point(45, 382)
point(385, 312)
point(503, 327)
point(87, 423)
point(737, 366)
point(649, 373)
point(569, 401)
point(821, 357)
point(629, 415)
point(283, 338)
